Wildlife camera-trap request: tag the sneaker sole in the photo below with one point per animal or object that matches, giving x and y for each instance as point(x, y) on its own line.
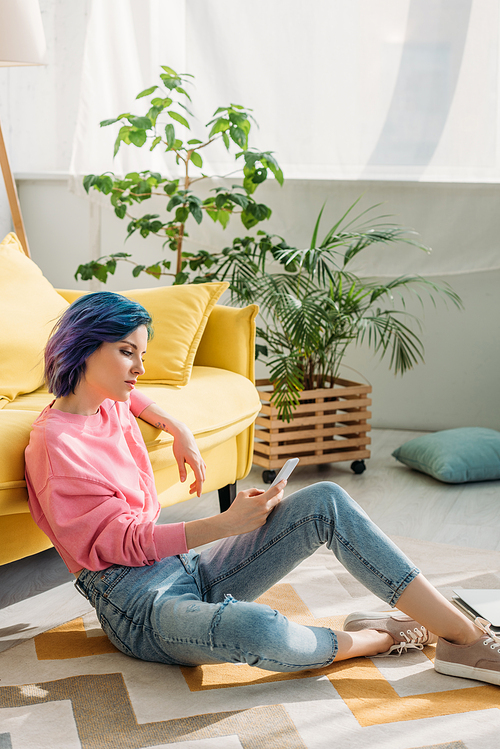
point(467, 672)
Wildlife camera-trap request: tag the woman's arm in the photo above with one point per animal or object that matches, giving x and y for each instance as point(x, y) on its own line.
point(250, 507)
point(185, 448)
point(92, 526)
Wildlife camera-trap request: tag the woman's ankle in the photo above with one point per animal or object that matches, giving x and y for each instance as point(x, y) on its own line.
point(466, 635)
point(384, 642)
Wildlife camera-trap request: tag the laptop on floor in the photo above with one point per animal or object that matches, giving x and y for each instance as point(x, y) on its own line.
point(483, 602)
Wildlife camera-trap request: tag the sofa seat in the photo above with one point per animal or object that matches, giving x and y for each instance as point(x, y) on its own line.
point(216, 404)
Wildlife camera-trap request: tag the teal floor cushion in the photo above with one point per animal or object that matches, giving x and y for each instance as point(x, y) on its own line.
point(454, 456)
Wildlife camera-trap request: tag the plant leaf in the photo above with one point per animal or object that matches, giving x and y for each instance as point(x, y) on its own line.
point(138, 137)
point(146, 92)
point(196, 159)
point(314, 237)
point(179, 118)
point(142, 123)
point(170, 135)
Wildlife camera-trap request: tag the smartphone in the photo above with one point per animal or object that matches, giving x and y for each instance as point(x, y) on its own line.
point(285, 471)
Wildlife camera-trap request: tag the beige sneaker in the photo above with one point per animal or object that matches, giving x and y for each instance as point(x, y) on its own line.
point(407, 633)
point(480, 661)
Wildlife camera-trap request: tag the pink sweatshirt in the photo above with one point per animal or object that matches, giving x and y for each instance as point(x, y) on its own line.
point(91, 488)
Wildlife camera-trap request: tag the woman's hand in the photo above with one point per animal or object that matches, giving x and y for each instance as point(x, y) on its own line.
point(251, 508)
point(185, 449)
point(186, 452)
point(248, 512)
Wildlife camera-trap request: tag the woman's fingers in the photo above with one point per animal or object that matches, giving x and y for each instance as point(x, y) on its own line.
point(251, 507)
point(275, 493)
point(199, 470)
point(187, 454)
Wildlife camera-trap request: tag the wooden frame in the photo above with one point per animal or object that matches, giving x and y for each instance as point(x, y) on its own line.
point(330, 425)
point(10, 186)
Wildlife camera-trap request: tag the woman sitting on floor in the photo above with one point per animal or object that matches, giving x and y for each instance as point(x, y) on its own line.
point(91, 490)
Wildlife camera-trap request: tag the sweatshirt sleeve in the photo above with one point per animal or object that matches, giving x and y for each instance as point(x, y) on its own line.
point(96, 528)
point(138, 402)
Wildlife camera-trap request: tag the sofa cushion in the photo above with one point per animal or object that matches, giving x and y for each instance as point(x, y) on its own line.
point(180, 314)
point(215, 404)
point(29, 308)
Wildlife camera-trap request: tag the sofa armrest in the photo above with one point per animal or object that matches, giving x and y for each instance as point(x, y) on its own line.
point(228, 341)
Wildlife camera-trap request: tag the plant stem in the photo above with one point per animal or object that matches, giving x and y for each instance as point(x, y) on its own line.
point(180, 235)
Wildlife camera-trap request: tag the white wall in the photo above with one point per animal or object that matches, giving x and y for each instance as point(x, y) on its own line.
point(457, 385)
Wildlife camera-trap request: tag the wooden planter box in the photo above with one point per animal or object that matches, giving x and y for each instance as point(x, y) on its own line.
point(330, 425)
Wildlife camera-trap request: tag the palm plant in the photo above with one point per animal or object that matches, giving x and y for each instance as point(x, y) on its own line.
point(313, 306)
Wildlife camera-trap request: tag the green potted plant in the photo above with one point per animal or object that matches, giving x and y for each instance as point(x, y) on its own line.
point(312, 308)
point(166, 125)
point(312, 305)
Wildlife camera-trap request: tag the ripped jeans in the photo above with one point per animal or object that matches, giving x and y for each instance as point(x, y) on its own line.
point(198, 609)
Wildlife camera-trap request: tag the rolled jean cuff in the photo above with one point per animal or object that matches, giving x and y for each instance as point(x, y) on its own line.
point(410, 577)
point(335, 649)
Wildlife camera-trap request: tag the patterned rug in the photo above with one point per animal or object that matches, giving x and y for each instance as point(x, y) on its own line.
point(68, 688)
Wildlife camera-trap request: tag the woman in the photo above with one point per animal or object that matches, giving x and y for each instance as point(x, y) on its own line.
point(91, 490)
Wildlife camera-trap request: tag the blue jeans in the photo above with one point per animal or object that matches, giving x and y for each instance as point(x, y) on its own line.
point(198, 609)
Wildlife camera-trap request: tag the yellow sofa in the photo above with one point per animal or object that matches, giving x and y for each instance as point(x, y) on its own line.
point(199, 368)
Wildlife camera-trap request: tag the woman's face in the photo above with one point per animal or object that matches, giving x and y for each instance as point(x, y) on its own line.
point(112, 370)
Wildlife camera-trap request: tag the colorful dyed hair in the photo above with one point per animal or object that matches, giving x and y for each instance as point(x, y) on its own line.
point(85, 324)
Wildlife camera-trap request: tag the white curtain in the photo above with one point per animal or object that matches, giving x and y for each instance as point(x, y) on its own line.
point(393, 89)
point(404, 90)
point(123, 51)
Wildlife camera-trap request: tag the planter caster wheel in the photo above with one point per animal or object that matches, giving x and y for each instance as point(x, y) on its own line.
point(268, 476)
point(358, 466)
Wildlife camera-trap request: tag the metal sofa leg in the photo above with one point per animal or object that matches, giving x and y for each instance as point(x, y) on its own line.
point(227, 495)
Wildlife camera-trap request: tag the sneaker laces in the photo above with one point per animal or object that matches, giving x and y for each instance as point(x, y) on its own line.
point(412, 639)
point(492, 639)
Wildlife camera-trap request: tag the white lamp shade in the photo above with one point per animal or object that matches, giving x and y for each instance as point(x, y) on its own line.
point(22, 40)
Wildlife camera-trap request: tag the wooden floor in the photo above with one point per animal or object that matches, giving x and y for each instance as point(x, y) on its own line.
point(401, 501)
